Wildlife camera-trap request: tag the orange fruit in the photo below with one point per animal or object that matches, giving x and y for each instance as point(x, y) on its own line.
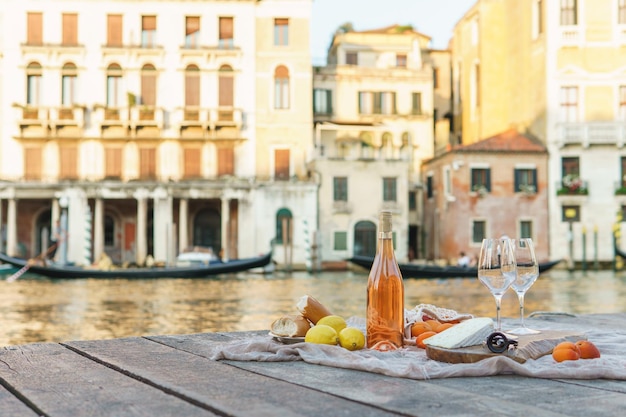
point(420, 327)
point(566, 351)
point(587, 349)
point(433, 323)
point(567, 345)
point(419, 341)
point(443, 326)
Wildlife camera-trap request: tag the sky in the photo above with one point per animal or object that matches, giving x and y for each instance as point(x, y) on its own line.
point(435, 18)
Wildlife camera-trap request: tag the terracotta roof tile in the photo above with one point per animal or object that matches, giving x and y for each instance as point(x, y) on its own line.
point(508, 141)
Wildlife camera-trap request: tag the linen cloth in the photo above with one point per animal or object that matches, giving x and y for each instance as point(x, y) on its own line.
point(412, 362)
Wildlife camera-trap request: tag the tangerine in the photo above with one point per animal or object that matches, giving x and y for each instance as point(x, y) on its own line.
point(419, 341)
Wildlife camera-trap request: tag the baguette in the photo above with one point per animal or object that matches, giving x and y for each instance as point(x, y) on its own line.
point(290, 326)
point(312, 309)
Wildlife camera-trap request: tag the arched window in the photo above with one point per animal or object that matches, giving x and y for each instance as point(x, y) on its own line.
point(226, 93)
point(192, 86)
point(365, 238)
point(281, 87)
point(114, 86)
point(387, 145)
point(148, 85)
point(284, 228)
point(33, 83)
point(68, 85)
point(207, 229)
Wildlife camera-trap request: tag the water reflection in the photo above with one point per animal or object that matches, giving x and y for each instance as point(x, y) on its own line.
point(38, 310)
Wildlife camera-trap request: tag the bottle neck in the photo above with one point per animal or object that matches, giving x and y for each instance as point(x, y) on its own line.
point(385, 235)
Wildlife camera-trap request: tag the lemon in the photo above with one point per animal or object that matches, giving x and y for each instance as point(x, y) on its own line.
point(336, 322)
point(352, 338)
point(322, 335)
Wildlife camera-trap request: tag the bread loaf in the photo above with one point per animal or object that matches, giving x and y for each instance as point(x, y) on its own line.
point(312, 309)
point(290, 326)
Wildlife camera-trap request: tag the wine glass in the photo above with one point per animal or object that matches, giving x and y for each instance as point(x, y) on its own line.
point(527, 273)
point(496, 270)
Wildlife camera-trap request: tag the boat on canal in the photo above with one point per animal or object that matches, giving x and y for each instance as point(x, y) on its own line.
point(428, 271)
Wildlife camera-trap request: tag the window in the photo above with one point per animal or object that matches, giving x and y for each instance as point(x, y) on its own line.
point(284, 230)
point(401, 60)
point(340, 189)
point(389, 189)
point(447, 181)
point(70, 29)
point(281, 87)
point(68, 84)
point(226, 93)
point(435, 78)
point(340, 241)
point(621, 12)
point(430, 192)
point(622, 102)
point(387, 146)
point(377, 102)
point(476, 86)
point(32, 163)
point(281, 164)
point(192, 86)
point(322, 101)
point(366, 102)
point(113, 162)
point(109, 230)
point(412, 200)
point(569, 13)
point(480, 179)
point(148, 31)
point(623, 172)
point(226, 34)
point(34, 28)
point(225, 161)
point(365, 240)
point(479, 231)
point(281, 32)
point(352, 58)
point(115, 94)
point(191, 162)
point(569, 104)
point(570, 213)
point(388, 103)
point(570, 166)
point(33, 84)
point(148, 85)
point(525, 180)
point(525, 229)
point(68, 162)
point(537, 25)
point(114, 30)
point(192, 31)
point(416, 100)
point(147, 163)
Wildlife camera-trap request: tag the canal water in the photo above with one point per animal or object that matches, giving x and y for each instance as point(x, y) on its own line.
point(34, 309)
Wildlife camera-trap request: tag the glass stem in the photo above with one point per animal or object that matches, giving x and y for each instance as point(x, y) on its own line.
point(498, 303)
point(521, 309)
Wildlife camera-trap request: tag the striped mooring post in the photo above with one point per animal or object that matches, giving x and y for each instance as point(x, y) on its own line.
point(87, 237)
point(618, 262)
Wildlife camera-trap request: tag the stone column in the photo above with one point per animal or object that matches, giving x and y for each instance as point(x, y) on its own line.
point(12, 249)
point(183, 219)
point(141, 248)
point(98, 231)
point(225, 222)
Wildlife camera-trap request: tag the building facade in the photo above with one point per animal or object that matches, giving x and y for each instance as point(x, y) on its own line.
point(146, 127)
point(555, 69)
point(373, 114)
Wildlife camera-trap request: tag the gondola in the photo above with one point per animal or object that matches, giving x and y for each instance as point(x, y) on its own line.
point(228, 267)
point(619, 252)
point(410, 270)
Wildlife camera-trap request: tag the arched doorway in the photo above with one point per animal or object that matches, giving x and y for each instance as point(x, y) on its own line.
point(365, 238)
point(207, 229)
point(43, 232)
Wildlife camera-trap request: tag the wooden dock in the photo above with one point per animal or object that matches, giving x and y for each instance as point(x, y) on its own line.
point(172, 376)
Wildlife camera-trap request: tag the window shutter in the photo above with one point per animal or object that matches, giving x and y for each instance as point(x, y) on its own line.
point(114, 30)
point(147, 163)
point(225, 161)
point(192, 162)
point(488, 179)
point(226, 28)
point(32, 163)
point(517, 180)
point(534, 179)
point(226, 90)
point(192, 25)
point(70, 29)
point(113, 162)
point(68, 162)
point(34, 21)
point(148, 22)
point(192, 88)
point(281, 162)
point(148, 87)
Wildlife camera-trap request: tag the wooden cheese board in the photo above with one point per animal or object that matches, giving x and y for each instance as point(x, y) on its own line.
point(529, 347)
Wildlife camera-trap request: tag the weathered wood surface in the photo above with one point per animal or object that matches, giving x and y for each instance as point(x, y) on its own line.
point(171, 376)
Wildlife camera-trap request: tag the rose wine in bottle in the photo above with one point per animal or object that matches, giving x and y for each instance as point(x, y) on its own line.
point(385, 293)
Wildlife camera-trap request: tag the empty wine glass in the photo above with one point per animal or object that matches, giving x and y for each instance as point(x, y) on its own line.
point(496, 270)
point(527, 273)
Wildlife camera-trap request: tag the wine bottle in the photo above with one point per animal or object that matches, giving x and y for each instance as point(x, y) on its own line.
point(385, 293)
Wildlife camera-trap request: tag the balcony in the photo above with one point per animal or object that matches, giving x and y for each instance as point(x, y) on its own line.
point(592, 133)
point(570, 35)
point(39, 121)
point(210, 123)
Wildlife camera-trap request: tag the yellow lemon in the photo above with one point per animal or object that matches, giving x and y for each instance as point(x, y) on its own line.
point(336, 322)
point(321, 334)
point(352, 338)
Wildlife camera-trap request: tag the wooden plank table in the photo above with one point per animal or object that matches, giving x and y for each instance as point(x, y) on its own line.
point(171, 376)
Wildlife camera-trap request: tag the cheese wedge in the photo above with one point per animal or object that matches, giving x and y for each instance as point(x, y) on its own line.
point(467, 333)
